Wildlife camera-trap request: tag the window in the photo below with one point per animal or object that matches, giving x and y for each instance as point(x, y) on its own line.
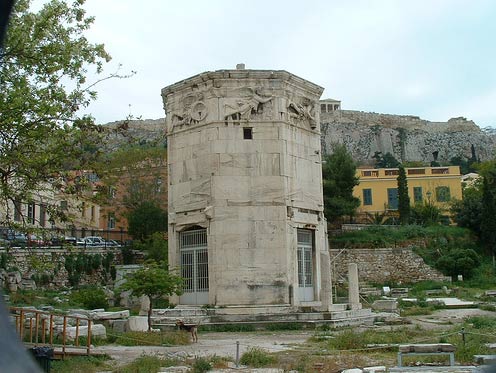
point(323, 108)
point(247, 133)
point(417, 194)
point(112, 192)
point(83, 209)
point(416, 171)
point(392, 194)
point(31, 212)
point(391, 172)
point(92, 213)
point(63, 205)
point(111, 220)
point(443, 194)
point(42, 215)
point(370, 173)
point(438, 171)
point(17, 211)
point(367, 196)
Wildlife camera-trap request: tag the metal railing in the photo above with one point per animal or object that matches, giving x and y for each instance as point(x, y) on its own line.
point(38, 327)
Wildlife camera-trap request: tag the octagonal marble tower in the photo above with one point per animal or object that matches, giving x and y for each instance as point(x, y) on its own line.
point(246, 224)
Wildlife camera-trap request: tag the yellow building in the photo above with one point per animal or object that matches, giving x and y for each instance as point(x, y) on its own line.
point(378, 188)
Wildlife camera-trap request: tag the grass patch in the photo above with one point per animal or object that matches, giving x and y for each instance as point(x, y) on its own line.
point(257, 357)
point(350, 339)
point(227, 328)
point(201, 365)
point(384, 236)
point(80, 364)
point(284, 326)
point(147, 364)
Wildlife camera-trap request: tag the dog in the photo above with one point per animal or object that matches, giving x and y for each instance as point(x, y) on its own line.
point(193, 329)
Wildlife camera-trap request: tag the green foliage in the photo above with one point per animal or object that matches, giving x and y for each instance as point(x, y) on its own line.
point(385, 161)
point(127, 255)
point(201, 365)
point(466, 164)
point(425, 214)
point(146, 219)
point(257, 357)
point(146, 364)
point(468, 211)
point(235, 328)
point(384, 236)
point(89, 297)
point(458, 261)
point(80, 364)
point(155, 247)
point(403, 198)
point(78, 264)
point(488, 222)
point(154, 281)
point(284, 326)
point(43, 87)
point(351, 339)
point(4, 260)
point(136, 169)
point(339, 179)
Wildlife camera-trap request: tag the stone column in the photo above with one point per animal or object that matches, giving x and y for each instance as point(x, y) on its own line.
point(353, 291)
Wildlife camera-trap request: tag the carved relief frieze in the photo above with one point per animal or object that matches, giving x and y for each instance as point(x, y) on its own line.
point(192, 110)
point(301, 111)
point(249, 104)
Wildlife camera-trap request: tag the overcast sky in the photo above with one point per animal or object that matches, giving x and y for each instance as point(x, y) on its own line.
point(431, 58)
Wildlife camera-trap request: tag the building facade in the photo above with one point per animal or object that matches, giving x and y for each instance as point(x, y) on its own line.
point(378, 188)
point(246, 224)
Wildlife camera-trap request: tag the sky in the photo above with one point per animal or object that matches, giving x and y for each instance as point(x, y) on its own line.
point(432, 58)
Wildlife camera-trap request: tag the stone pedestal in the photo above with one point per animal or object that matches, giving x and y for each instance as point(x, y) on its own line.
point(353, 287)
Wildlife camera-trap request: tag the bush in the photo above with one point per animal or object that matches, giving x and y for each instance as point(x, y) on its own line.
point(256, 357)
point(147, 364)
point(458, 261)
point(201, 365)
point(90, 298)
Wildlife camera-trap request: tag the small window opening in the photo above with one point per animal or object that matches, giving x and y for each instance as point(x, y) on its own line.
point(247, 133)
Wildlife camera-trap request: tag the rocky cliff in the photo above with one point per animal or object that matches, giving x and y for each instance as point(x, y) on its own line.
point(408, 138)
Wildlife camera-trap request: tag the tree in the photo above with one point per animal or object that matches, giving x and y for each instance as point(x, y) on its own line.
point(145, 220)
point(458, 261)
point(488, 221)
point(403, 198)
point(385, 160)
point(468, 211)
point(425, 214)
point(339, 179)
point(155, 246)
point(43, 86)
point(155, 282)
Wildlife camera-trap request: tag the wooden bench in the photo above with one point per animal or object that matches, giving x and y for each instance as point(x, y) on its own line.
point(427, 349)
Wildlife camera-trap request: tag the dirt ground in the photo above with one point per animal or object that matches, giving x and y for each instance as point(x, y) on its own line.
point(224, 344)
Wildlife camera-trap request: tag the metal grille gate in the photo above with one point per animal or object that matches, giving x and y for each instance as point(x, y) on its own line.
point(305, 265)
point(194, 266)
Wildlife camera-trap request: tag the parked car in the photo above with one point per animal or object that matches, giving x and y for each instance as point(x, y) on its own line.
point(113, 243)
point(16, 238)
point(94, 241)
point(63, 240)
point(35, 240)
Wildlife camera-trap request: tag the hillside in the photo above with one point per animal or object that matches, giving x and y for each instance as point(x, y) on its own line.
point(409, 138)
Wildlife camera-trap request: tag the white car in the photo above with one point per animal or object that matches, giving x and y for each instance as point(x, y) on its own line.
point(94, 241)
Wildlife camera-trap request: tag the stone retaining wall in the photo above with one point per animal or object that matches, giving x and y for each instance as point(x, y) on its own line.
point(387, 265)
point(46, 266)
